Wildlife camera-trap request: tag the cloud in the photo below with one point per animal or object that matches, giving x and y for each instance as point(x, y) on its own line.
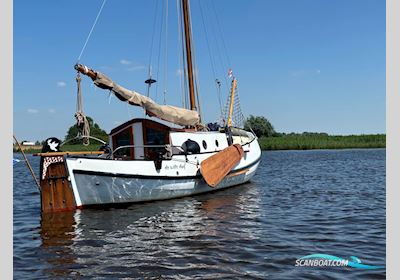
point(135, 68)
point(132, 65)
point(52, 111)
point(318, 71)
point(125, 62)
point(117, 122)
point(61, 84)
point(33, 111)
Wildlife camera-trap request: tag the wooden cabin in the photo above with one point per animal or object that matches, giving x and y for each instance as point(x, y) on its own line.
point(129, 140)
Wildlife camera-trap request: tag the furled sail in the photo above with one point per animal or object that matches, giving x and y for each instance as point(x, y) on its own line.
point(169, 113)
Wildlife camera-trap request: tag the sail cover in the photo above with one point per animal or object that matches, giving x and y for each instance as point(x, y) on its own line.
point(169, 113)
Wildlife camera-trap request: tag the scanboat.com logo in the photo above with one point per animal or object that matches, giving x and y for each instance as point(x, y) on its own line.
point(329, 260)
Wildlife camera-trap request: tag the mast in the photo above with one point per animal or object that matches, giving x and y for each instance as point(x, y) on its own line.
point(188, 44)
point(232, 101)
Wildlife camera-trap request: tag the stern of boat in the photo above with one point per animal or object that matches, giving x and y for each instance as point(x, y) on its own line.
point(56, 192)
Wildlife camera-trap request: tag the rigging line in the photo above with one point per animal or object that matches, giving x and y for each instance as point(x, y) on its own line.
point(82, 124)
point(159, 49)
point(152, 35)
point(218, 85)
point(224, 68)
point(91, 30)
point(211, 59)
point(218, 42)
point(221, 34)
point(208, 44)
point(198, 98)
point(151, 52)
point(166, 53)
point(196, 80)
point(180, 69)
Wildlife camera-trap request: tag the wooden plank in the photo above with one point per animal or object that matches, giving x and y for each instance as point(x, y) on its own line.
point(216, 167)
point(56, 190)
point(52, 154)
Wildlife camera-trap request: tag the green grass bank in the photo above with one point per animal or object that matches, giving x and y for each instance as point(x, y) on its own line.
point(321, 141)
point(69, 148)
point(305, 141)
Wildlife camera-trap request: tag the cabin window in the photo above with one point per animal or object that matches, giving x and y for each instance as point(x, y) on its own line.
point(155, 137)
point(123, 138)
point(204, 145)
point(216, 143)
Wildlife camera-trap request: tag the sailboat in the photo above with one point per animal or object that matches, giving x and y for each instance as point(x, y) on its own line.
point(168, 154)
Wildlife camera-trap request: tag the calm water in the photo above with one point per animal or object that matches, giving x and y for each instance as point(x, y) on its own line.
point(299, 203)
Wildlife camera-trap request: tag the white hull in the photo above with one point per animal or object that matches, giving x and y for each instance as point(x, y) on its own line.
point(102, 181)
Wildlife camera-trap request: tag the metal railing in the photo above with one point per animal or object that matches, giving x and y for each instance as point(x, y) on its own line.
point(82, 137)
point(142, 146)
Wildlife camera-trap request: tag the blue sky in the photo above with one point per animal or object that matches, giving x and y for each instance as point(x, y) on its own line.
point(306, 65)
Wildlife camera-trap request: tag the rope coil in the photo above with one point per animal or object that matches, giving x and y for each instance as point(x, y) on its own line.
point(81, 121)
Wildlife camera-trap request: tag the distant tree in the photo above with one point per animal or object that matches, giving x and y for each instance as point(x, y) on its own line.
point(318, 134)
point(260, 125)
point(37, 143)
point(95, 131)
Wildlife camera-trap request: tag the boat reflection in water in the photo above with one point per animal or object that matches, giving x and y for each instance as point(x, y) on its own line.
point(57, 234)
point(181, 237)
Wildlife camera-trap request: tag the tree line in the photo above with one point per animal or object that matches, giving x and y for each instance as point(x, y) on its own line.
point(260, 125)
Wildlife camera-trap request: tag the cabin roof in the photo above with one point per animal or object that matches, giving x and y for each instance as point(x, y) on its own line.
point(136, 120)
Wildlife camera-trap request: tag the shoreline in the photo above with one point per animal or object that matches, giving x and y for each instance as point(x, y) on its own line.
point(326, 149)
point(296, 142)
point(29, 152)
point(320, 141)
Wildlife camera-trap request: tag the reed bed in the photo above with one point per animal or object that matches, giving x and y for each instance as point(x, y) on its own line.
point(322, 141)
point(283, 142)
point(65, 148)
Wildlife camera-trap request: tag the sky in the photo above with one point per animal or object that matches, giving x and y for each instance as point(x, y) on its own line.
point(305, 65)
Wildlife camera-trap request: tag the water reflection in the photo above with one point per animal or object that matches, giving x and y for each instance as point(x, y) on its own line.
point(299, 203)
point(57, 233)
point(167, 238)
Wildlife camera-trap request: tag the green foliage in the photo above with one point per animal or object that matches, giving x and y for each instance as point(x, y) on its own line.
point(70, 148)
point(292, 141)
point(95, 131)
point(264, 130)
point(260, 125)
point(307, 141)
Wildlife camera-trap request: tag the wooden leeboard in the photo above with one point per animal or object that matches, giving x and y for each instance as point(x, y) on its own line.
point(56, 190)
point(216, 167)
